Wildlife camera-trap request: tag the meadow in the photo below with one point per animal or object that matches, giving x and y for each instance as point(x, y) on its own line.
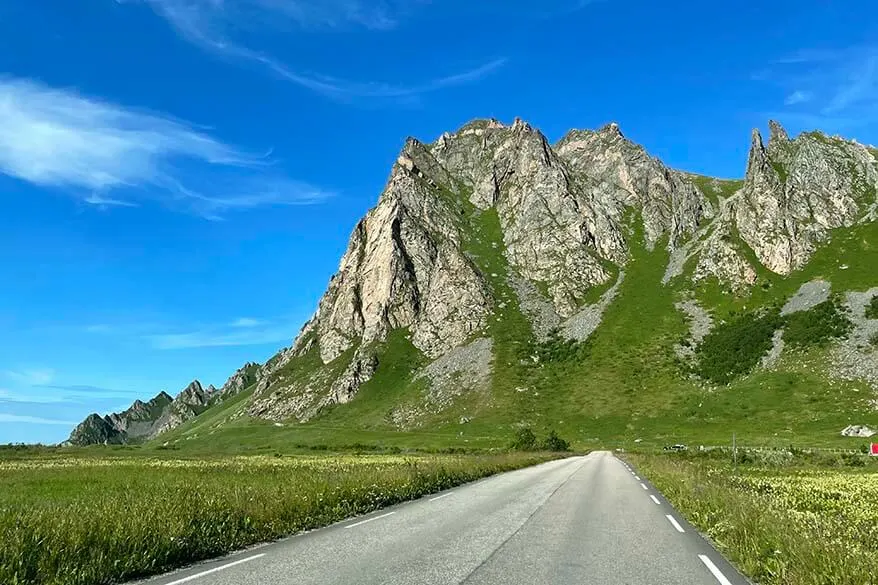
point(94, 520)
point(783, 517)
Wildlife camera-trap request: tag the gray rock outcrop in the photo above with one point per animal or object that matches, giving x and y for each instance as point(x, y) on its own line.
point(858, 431)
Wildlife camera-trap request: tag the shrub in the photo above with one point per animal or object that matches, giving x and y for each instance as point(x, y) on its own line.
point(874, 339)
point(525, 440)
point(853, 460)
point(817, 326)
point(735, 347)
point(872, 308)
point(555, 443)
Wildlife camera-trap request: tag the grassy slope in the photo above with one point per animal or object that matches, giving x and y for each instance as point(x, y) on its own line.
point(623, 384)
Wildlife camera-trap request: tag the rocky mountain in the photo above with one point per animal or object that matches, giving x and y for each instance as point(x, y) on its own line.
point(144, 420)
point(503, 278)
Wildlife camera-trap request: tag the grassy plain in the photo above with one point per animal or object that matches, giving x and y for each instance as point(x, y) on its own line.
point(89, 520)
point(783, 517)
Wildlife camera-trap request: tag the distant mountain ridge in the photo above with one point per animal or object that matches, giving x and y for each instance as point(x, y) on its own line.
point(146, 420)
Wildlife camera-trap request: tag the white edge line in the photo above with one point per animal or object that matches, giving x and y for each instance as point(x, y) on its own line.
point(675, 523)
point(369, 520)
point(655, 499)
point(215, 570)
point(643, 485)
point(637, 478)
point(440, 497)
point(713, 569)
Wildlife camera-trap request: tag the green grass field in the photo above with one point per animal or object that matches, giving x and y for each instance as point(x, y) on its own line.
point(86, 520)
point(783, 517)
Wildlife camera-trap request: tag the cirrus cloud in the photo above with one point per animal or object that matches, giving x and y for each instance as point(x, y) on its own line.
point(216, 25)
point(90, 148)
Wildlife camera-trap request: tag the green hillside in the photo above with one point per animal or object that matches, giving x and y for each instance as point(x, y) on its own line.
point(624, 383)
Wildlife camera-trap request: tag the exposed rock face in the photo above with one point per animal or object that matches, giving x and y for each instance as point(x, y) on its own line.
point(404, 268)
point(797, 190)
point(492, 222)
point(242, 379)
point(188, 404)
point(144, 420)
point(621, 175)
point(567, 213)
point(95, 430)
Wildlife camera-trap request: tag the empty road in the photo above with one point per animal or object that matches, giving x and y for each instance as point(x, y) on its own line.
point(583, 520)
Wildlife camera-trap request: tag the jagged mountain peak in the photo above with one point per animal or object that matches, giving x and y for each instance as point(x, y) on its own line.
point(491, 224)
point(144, 420)
point(777, 134)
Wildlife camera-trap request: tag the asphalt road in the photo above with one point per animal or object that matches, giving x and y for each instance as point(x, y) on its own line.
point(583, 520)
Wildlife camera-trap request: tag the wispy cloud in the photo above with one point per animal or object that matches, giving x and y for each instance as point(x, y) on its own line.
point(835, 89)
point(31, 377)
point(238, 333)
point(212, 24)
point(34, 420)
point(797, 97)
point(88, 147)
point(37, 394)
point(219, 16)
point(101, 201)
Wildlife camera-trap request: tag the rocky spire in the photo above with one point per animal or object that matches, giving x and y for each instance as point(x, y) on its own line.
point(776, 133)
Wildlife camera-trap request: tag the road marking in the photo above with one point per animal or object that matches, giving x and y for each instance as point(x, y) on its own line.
point(215, 570)
point(370, 519)
point(675, 523)
point(637, 478)
point(643, 485)
point(713, 569)
point(440, 497)
point(655, 499)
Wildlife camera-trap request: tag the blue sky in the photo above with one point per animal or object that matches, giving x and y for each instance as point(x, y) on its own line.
point(180, 176)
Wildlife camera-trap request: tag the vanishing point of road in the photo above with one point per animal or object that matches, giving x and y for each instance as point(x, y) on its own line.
point(581, 520)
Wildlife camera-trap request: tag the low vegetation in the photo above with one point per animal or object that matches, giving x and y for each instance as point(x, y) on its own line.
point(783, 517)
point(84, 521)
point(872, 308)
point(526, 440)
point(736, 346)
point(818, 326)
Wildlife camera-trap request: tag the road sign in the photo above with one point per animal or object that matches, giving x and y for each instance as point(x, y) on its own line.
point(873, 450)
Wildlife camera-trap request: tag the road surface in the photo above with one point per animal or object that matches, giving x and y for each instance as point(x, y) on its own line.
point(583, 520)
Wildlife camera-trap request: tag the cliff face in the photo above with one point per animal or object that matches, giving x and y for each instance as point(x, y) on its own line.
point(796, 191)
point(568, 216)
point(491, 236)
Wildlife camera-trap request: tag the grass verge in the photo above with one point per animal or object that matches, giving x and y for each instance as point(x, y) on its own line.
point(780, 522)
point(101, 520)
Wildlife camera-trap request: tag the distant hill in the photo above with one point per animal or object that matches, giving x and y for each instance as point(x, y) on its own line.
point(144, 421)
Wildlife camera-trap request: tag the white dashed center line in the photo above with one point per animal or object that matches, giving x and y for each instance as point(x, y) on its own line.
point(215, 570)
point(673, 521)
point(713, 569)
point(370, 519)
point(637, 478)
point(643, 485)
point(655, 499)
